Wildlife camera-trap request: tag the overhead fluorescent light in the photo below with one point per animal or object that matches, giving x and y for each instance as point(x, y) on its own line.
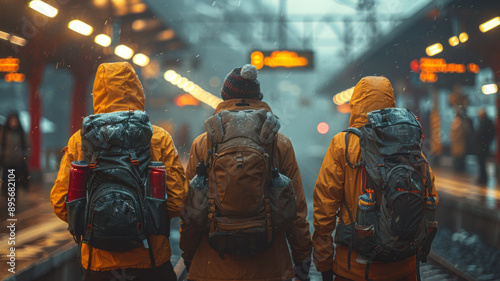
point(17, 40)
point(463, 37)
point(124, 52)
point(490, 24)
point(4, 35)
point(453, 41)
point(103, 40)
point(43, 8)
point(141, 59)
point(489, 89)
point(80, 27)
point(434, 49)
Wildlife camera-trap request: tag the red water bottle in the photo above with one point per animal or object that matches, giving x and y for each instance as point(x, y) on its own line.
point(77, 180)
point(157, 180)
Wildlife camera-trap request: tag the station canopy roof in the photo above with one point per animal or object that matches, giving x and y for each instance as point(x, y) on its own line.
point(25, 32)
point(392, 55)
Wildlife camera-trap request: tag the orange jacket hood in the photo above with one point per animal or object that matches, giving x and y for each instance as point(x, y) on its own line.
point(117, 88)
point(371, 93)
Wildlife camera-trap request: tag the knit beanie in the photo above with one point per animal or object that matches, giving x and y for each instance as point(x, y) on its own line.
point(242, 83)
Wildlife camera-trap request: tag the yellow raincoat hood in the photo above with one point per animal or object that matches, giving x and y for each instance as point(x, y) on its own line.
point(117, 88)
point(371, 93)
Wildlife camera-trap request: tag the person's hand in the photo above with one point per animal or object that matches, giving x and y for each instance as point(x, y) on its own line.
point(302, 270)
point(187, 264)
point(327, 275)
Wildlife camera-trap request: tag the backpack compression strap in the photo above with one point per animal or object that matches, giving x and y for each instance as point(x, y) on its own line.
point(357, 132)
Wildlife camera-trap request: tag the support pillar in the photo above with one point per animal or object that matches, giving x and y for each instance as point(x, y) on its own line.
point(35, 111)
point(79, 99)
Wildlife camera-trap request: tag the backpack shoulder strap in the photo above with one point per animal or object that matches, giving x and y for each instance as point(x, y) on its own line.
point(357, 132)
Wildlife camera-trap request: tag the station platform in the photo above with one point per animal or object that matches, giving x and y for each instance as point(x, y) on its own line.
point(44, 247)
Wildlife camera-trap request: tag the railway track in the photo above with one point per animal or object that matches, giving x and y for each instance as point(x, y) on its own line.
point(436, 269)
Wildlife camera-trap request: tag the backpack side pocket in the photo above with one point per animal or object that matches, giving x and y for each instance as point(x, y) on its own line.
point(76, 216)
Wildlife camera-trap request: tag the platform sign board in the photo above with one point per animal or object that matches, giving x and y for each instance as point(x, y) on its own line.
point(428, 69)
point(282, 59)
point(11, 66)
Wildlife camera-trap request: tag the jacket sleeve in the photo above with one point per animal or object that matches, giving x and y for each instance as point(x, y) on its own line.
point(190, 237)
point(176, 179)
point(60, 188)
point(433, 185)
point(328, 195)
point(298, 235)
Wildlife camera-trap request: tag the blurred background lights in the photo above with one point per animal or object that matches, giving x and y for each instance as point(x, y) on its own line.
point(4, 35)
point(43, 8)
point(80, 27)
point(141, 59)
point(169, 75)
point(453, 41)
point(188, 87)
point(463, 37)
point(434, 49)
point(165, 35)
point(186, 99)
point(489, 24)
point(489, 89)
point(323, 128)
point(193, 89)
point(343, 96)
point(103, 40)
point(124, 52)
point(17, 40)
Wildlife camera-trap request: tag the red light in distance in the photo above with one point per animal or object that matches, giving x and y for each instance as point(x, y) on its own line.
point(323, 128)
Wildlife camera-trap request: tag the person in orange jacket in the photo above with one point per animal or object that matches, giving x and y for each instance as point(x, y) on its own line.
point(275, 263)
point(117, 88)
point(337, 182)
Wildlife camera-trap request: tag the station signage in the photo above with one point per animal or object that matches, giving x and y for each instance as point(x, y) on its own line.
point(11, 66)
point(283, 59)
point(430, 67)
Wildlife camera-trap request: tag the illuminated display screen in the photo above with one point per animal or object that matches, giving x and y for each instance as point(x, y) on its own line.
point(429, 67)
point(283, 59)
point(11, 65)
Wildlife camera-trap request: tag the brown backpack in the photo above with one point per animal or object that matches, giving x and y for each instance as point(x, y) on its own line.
point(240, 170)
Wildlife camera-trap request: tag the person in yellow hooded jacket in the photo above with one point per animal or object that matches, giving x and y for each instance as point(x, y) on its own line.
point(241, 91)
point(338, 183)
point(117, 88)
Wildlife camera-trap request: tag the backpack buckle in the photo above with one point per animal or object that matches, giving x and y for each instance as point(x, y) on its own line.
point(93, 162)
point(133, 158)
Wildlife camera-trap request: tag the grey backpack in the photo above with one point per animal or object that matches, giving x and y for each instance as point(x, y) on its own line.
point(395, 215)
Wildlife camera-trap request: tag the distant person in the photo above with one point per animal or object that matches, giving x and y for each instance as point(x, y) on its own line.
point(484, 136)
point(14, 153)
point(461, 133)
point(250, 179)
point(118, 142)
point(371, 190)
